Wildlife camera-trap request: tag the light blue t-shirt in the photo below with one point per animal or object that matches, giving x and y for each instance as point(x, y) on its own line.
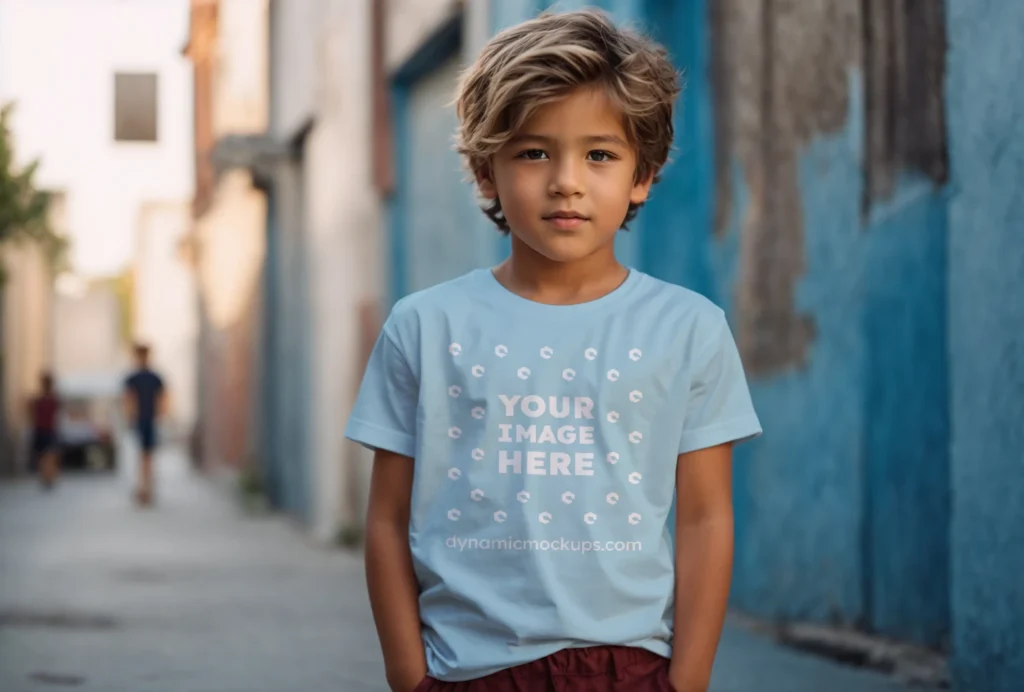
point(545, 440)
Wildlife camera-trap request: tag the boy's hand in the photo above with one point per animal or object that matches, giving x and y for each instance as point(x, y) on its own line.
point(406, 681)
point(704, 546)
point(681, 681)
point(390, 577)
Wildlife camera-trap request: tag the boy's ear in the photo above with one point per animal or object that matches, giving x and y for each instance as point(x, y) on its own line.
point(641, 188)
point(485, 182)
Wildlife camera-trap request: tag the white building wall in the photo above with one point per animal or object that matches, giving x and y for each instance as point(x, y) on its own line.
point(295, 40)
point(57, 61)
point(321, 73)
point(27, 303)
point(88, 323)
point(231, 236)
point(27, 348)
point(343, 232)
point(232, 229)
point(346, 230)
point(411, 22)
point(478, 20)
point(242, 88)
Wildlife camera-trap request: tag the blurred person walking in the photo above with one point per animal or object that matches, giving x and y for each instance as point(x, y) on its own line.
point(145, 399)
point(45, 451)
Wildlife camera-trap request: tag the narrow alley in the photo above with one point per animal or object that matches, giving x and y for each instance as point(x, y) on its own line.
point(194, 595)
point(198, 596)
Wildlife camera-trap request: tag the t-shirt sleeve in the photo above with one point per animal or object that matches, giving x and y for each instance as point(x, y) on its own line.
point(384, 415)
point(719, 408)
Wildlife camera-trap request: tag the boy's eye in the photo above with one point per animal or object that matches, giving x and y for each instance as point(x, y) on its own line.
point(531, 154)
point(600, 155)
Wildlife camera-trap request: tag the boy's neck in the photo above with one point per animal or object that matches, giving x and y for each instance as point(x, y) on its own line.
point(530, 275)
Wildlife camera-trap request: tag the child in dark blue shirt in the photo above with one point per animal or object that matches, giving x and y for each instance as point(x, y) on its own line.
point(144, 401)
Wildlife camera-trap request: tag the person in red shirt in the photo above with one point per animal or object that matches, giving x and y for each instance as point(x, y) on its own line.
point(43, 411)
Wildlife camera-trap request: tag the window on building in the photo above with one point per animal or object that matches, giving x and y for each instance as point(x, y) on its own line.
point(135, 107)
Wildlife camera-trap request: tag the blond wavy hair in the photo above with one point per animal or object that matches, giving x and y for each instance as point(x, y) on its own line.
point(544, 59)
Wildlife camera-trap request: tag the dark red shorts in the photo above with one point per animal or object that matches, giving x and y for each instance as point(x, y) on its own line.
point(591, 669)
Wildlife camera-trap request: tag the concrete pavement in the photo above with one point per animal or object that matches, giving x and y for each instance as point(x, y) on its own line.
point(195, 596)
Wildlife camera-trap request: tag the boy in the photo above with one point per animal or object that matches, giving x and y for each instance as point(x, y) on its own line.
point(144, 398)
point(532, 424)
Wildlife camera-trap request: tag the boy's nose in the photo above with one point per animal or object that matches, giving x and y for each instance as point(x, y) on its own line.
point(567, 180)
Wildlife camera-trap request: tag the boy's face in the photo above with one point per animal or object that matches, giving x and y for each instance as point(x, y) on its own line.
point(566, 179)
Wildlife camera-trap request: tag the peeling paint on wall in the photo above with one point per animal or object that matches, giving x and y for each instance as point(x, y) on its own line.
point(782, 74)
point(904, 69)
point(842, 315)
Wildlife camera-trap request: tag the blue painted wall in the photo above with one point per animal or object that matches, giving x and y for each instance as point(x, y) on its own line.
point(906, 417)
point(985, 102)
point(799, 489)
point(270, 356)
point(437, 230)
point(842, 507)
point(286, 357)
point(294, 366)
point(799, 507)
point(508, 12)
point(443, 236)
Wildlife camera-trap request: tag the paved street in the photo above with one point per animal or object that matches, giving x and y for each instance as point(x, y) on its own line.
point(194, 596)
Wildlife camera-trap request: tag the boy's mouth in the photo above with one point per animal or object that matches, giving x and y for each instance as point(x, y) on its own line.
point(566, 220)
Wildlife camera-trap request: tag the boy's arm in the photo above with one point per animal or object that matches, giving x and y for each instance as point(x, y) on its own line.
point(394, 591)
point(703, 562)
point(163, 402)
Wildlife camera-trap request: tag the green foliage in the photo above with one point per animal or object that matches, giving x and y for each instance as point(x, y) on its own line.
point(24, 210)
point(123, 287)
